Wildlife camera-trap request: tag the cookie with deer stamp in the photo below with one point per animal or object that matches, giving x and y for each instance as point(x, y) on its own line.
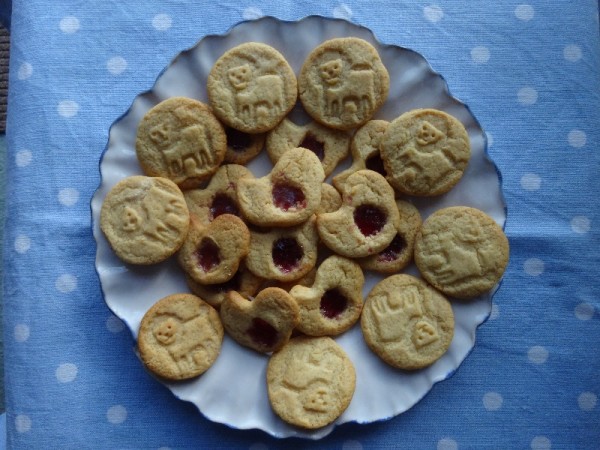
point(242, 147)
point(330, 146)
point(310, 381)
point(144, 219)
point(180, 337)
point(251, 87)
point(343, 82)
point(425, 152)
point(288, 195)
point(407, 323)
point(333, 303)
point(461, 251)
point(366, 222)
point(182, 140)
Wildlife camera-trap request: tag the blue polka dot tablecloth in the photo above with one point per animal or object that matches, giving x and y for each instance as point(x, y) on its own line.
point(529, 71)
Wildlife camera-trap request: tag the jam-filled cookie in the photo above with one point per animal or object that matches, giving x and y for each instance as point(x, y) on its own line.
point(242, 147)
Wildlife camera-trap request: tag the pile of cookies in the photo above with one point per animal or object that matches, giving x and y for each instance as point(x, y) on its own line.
point(279, 262)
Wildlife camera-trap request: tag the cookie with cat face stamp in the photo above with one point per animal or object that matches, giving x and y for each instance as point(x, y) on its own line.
point(251, 87)
point(182, 140)
point(343, 82)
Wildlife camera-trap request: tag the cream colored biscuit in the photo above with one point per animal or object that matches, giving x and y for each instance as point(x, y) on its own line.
point(242, 147)
point(331, 200)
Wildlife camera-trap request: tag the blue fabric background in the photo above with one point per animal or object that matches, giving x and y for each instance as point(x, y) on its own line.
point(529, 70)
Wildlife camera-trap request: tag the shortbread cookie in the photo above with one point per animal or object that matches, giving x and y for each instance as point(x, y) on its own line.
point(310, 381)
point(334, 302)
point(144, 219)
point(407, 323)
point(288, 195)
point(212, 254)
point(283, 254)
point(219, 196)
point(330, 146)
point(366, 222)
point(264, 323)
point(182, 140)
point(399, 253)
point(425, 152)
point(180, 337)
point(252, 87)
point(365, 151)
point(242, 147)
point(461, 251)
point(343, 82)
point(331, 200)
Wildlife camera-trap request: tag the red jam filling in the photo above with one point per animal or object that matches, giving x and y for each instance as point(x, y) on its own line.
point(237, 140)
point(262, 333)
point(369, 219)
point(314, 145)
point(286, 197)
point(333, 303)
point(207, 255)
point(223, 204)
point(287, 254)
point(393, 250)
point(375, 163)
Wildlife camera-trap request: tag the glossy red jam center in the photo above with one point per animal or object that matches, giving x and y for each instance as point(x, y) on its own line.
point(333, 303)
point(287, 254)
point(207, 255)
point(286, 197)
point(262, 332)
point(375, 163)
point(393, 250)
point(223, 204)
point(314, 145)
point(369, 219)
point(237, 140)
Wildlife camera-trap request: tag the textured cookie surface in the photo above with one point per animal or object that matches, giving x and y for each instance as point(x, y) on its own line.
point(145, 219)
point(310, 381)
point(242, 147)
point(182, 140)
point(461, 251)
point(407, 323)
point(180, 337)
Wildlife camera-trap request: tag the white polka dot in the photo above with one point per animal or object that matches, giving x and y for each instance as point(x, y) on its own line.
point(68, 108)
point(524, 12)
point(22, 423)
point(541, 443)
point(447, 444)
point(162, 22)
point(531, 182)
point(352, 445)
point(433, 13)
point(21, 332)
point(342, 11)
point(490, 139)
point(23, 158)
point(527, 96)
point(258, 446)
point(116, 414)
point(22, 244)
point(572, 53)
point(25, 71)
point(581, 224)
point(116, 65)
point(68, 196)
point(492, 401)
point(69, 24)
point(534, 267)
point(251, 13)
point(576, 138)
point(495, 313)
point(584, 311)
point(65, 373)
point(66, 283)
point(480, 55)
point(587, 401)
point(114, 324)
point(537, 354)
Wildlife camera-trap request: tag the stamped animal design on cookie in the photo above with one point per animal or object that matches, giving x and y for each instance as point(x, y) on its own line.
point(334, 301)
point(288, 195)
point(343, 82)
point(242, 147)
point(212, 254)
point(461, 251)
point(425, 152)
point(180, 337)
point(330, 146)
point(264, 323)
point(310, 381)
point(366, 222)
point(182, 140)
point(407, 323)
point(145, 219)
point(252, 87)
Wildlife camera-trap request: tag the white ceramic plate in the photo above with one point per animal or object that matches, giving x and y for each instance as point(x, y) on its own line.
point(233, 391)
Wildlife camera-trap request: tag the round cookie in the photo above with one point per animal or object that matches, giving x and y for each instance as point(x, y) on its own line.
point(251, 87)
point(145, 219)
point(180, 337)
point(407, 323)
point(242, 147)
point(425, 152)
point(461, 251)
point(182, 140)
point(343, 82)
point(310, 381)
